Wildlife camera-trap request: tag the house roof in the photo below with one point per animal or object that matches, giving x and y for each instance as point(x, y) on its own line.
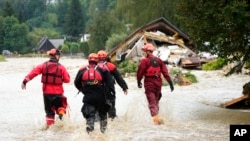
point(57, 42)
point(46, 44)
point(160, 24)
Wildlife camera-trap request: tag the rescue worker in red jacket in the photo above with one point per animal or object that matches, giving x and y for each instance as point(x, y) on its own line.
point(92, 81)
point(103, 63)
point(54, 75)
point(151, 68)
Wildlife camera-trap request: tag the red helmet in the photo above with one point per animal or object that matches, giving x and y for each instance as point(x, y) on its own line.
point(93, 57)
point(148, 47)
point(54, 52)
point(102, 54)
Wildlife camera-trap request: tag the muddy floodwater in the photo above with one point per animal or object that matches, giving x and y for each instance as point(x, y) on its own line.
point(189, 113)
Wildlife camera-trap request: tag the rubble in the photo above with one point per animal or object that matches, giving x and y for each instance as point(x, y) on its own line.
point(172, 45)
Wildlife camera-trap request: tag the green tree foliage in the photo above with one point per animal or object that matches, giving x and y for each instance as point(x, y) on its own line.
point(224, 24)
point(1, 33)
point(15, 34)
point(74, 23)
point(74, 47)
point(61, 11)
point(65, 48)
point(8, 10)
point(104, 23)
point(8, 24)
point(20, 40)
point(102, 28)
point(36, 35)
point(84, 47)
point(114, 40)
point(140, 12)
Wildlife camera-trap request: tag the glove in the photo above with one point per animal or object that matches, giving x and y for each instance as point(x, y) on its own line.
point(139, 84)
point(23, 86)
point(171, 86)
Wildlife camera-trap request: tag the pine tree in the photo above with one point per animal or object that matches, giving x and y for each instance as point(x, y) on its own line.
point(8, 10)
point(74, 23)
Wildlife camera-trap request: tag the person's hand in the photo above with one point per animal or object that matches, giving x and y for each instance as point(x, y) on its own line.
point(125, 91)
point(171, 86)
point(23, 86)
point(139, 84)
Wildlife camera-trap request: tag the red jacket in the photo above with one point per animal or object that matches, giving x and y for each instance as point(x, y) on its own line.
point(49, 88)
point(145, 64)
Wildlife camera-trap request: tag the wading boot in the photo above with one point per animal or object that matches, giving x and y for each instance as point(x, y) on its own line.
point(61, 113)
point(90, 125)
point(156, 119)
point(103, 125)
point(89, 128)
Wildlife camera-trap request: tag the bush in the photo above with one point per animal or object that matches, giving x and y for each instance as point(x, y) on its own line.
point(65, 48)
point(247, 64)
point(215, 64)
point(84, 47)
point(127, 67)
point(2, 59)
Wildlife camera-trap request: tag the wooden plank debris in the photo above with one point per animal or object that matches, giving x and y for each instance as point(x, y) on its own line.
point(234, 101)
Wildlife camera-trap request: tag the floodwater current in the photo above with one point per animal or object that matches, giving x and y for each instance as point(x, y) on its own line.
point(189, 113)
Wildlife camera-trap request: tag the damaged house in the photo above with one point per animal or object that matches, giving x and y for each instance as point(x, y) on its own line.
point(172, 45)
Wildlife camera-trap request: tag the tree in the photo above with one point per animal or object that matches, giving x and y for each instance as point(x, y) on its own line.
point(20, 40)
point(145, 11)
point(8, 24)
point(74, 24)
point(15, 34)
point(114, 40)
point(36, 35)
point(1, 33)
point(224, 24)
point(104, 23)
point(61, 11)
point(8, 10)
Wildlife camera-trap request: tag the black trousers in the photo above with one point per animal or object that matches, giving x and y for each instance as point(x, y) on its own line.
point(89, 111)
point(52, 102)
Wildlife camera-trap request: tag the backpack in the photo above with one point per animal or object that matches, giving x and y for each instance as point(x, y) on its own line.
point(52, 74)
point(103, 65)
point(92, 76)
point(154, 69)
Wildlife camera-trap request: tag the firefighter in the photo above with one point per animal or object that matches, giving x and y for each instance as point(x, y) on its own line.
point(105, 64)
point(54, 75)
point(151, 68)
point(92, 81)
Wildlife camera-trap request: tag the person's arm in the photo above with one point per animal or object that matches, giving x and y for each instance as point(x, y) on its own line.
point(33, 73)
point(140, 72)
point(65, 75)
point(107, 78)
point(166, 75)
point(118, 77)
point(78, 80)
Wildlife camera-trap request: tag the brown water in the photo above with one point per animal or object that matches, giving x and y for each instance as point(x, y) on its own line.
point(189, 113)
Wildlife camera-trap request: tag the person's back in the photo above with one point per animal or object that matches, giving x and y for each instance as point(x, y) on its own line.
point(91, 81)
point(104, 64)
point(151, 68)
point(54, 75)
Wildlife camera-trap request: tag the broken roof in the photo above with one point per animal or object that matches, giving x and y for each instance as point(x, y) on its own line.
point(160, 24)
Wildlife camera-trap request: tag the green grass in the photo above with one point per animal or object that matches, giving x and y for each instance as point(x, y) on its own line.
point(2, 58)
